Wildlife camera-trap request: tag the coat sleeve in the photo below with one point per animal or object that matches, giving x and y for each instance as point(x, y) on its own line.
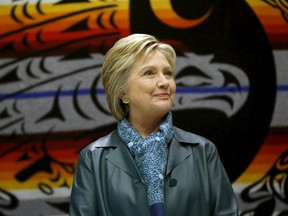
point(223, 199)
point(83, 193)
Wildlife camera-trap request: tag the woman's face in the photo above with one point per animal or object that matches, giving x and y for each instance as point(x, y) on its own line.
point(152, 86)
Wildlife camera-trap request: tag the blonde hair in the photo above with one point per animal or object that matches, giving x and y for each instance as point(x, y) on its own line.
point(118, 62)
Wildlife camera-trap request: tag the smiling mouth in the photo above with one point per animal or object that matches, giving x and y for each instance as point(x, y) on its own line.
point(164, 95)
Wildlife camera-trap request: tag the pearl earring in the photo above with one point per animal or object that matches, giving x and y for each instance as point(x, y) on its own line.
point(125, 99)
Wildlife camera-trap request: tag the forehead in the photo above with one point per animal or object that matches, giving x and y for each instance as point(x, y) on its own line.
point(152, 57)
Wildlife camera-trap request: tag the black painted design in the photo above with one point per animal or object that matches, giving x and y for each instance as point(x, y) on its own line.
point(281, 5)
point(270, 189)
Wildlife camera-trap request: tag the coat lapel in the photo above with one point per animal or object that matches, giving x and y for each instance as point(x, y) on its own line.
point(179, 149)
point(121, 157)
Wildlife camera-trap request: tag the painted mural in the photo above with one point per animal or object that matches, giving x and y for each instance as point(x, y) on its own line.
point(232, 87)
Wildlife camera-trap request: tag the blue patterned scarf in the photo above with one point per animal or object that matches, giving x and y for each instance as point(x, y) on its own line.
point(150, 156)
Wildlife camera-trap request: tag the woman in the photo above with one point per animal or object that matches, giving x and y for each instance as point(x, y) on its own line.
point(148, 166)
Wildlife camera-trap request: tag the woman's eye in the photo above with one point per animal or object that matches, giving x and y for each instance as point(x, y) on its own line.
point(148, 73)
point(169, 73)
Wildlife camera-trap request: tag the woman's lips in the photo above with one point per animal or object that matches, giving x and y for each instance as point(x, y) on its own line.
point(163, 95)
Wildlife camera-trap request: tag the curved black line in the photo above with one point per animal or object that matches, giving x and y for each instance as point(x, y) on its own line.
point(180, 101)
point(45, 138)
point(23, 128)
point(13, 14)
point(44, 186)
point(285, 16)
point(65, 184)
point(25, 41)
point(55, 19)
point(11, 123)
point(38, 37)
point(13, 200)
point(101, 47)
point(29, 71)
point(41, 53)
point(284, 5)
point(94, 98)
point(99, 21)
point(15, 107)
point(38, 7)
point(68, 167)
point(25, 11)
point(230, 78)
point(112, 20)
point(76, 104)
point(34, 149)
point(55, 111)
point(56, 178)
point(43, 68)
point(271, 4)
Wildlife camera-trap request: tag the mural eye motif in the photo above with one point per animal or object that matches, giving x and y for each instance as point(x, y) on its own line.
point(210, 85)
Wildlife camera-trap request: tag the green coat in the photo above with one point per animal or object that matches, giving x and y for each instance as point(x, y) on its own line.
point(107, 182)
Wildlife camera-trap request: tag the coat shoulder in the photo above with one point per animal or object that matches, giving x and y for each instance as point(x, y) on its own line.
point(202, 145)
point(111, 140)
point(184, 136)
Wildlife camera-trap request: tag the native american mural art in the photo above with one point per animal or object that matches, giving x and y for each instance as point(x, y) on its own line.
point(232, 87)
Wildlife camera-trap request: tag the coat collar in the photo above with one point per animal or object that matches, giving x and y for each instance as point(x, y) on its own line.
point(121, 156)
point(179, 150)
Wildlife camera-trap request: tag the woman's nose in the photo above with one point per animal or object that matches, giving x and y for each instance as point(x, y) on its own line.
point(162, 82)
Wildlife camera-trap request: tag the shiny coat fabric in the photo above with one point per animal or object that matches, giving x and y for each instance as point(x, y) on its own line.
point(107, 182)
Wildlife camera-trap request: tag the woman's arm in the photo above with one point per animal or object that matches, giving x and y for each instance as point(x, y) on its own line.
point(223, 200)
